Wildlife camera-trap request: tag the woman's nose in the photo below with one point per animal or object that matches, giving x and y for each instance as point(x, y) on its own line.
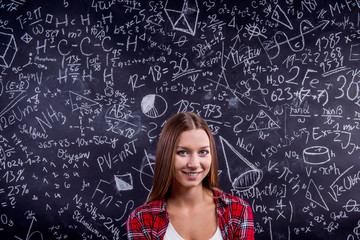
point(193, 161)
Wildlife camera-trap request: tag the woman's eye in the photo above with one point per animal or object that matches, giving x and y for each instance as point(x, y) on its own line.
point(182, 153)
point(203, 152)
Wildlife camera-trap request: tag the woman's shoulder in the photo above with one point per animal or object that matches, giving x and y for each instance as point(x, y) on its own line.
point(230, 200)
point(233, 207)
point(151, 208)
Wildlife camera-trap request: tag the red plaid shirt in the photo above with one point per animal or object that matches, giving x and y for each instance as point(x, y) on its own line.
point(235, 218)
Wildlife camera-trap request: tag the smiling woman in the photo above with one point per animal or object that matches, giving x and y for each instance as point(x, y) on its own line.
point(192, 160)
point(185, 202)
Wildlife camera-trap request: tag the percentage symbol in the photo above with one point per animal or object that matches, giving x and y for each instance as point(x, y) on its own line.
point(25, 190)
point(19, 175)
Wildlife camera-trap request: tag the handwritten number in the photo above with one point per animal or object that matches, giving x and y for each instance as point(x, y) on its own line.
point(341, 89)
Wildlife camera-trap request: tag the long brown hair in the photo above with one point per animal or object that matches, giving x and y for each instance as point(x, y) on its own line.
point(164, 161)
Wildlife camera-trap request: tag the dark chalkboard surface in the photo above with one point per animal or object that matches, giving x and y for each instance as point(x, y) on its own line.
point(85, 87)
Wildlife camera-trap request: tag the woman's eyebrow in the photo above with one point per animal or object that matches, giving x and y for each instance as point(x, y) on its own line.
point(187, 147)
point(181, 147)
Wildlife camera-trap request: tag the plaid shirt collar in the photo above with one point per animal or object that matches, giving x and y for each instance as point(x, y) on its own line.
point(220, 200)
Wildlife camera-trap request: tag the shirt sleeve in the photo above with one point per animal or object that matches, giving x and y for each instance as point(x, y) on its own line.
point(134, 229)
point(245, 228)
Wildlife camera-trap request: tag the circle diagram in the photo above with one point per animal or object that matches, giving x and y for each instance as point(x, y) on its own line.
point(153, 105)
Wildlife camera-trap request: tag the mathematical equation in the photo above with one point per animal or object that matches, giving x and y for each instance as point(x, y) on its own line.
point(86, 88)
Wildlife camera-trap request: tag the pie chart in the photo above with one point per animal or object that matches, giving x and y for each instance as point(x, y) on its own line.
point(153, 105)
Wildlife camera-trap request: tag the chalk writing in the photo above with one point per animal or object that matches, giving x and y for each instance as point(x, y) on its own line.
point(86, 88)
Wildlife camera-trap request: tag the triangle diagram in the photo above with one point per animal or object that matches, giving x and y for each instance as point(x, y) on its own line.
point(124, 182)
point(280, 17)
point(262, 122)
point(80, 102)
point(314, 195)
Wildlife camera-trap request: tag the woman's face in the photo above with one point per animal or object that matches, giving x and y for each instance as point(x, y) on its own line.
point(192, 158)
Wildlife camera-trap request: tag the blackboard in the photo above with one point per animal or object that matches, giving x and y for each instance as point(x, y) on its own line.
point(85, 87)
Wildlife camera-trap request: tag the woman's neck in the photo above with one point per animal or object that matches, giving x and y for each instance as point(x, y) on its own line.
point(190, 197)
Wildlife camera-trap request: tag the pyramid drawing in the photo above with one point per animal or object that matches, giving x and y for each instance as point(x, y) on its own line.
point(124, 182)
point(183, 15)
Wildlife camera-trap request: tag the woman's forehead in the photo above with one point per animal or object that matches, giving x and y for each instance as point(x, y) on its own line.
point(194, 136)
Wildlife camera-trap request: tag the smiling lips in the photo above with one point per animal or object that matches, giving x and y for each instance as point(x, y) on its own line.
point(192, 174)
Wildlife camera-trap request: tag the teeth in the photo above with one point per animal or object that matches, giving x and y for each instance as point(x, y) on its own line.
point(191, 174)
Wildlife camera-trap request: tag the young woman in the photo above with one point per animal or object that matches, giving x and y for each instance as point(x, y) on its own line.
point(185, 202)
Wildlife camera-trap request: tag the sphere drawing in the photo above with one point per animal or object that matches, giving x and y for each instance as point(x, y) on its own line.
point(153, 105)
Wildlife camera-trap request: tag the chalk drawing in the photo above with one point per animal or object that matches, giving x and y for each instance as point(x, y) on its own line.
point(153, 105)
point(83, 104)
point(262, 122)
point(316, 155)
point(280, 16)
point(124, 182)
point(8, 49)
point(314, 195)
point(183, 18)
point(242, 173)
point(26, 38)
point(252, 85)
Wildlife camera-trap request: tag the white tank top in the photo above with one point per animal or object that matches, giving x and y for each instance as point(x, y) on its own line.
point(171, 234)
